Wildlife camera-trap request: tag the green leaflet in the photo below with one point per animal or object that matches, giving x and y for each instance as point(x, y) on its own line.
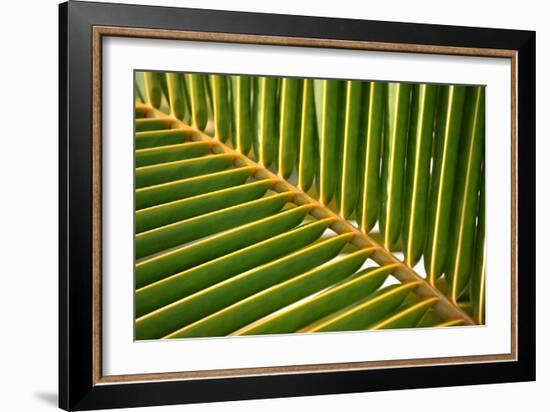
point(288, 125)
point(153, 88)
point(180, 189)
point(371, 135)
point(154, 138)
point(308, 158)
point(165, 237)
point(139, 95)
point(467, 181)
point(181, 169)
point(164, 106)
point(265, 120)
point(187, 99)
point(221, 107)
point(242, 97)
point(393, 162)
point(209, 97)
point(406, 317)
point(185, 283)
point(364, 313)
point(176, 95)
point(269, 300)
point(327, 98)
point(152, 124)
point(157, 216)
point(199, 110)
point(447, 137)
point(430, 319)
point(171, 153)
point(139, 86)
point(149, 139)
point(350, 154)
point(169, 263)
point(477, 282)
point(424, 99)
point(335, 298)
point(166, 321)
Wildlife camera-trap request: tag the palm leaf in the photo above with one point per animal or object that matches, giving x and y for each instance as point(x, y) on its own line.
point(231, 241)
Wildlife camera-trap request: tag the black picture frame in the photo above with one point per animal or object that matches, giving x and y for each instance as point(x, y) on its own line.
point(77, 389)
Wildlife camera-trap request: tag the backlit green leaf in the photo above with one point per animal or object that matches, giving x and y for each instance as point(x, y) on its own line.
point(447, 137)
point(371, 135)
point(463, 226)
point(308, 158)
point(424, 99)
point(393, 164)
point(288, 128)
point(199, 111)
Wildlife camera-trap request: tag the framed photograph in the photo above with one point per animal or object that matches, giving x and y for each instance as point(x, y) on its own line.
point(257, 205)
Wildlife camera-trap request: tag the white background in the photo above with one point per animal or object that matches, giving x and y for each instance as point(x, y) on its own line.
point(28, 211)
point(123, 356)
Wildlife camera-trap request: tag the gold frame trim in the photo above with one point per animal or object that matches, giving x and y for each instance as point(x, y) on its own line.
point(103, 31)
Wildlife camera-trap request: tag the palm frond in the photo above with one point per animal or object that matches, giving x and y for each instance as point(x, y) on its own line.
point(260, 216)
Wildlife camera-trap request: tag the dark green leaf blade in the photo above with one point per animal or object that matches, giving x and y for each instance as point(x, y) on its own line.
point(447, 137)
point(176, 95)
point(288, 126)
point(181, 169)
point(327, 96)
point(406, 317)
point(153, 124)
point(156, 155)
point(369, 203)
point(265, 119)
point(424, 100)
point(350, 154)
point(393, 164)
point(199, 110)
point(308, 158)
point(242, 96)
point(221, 107)
point(477, 282)
point(467, 184)
point(153, 89)
point(180, 189)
